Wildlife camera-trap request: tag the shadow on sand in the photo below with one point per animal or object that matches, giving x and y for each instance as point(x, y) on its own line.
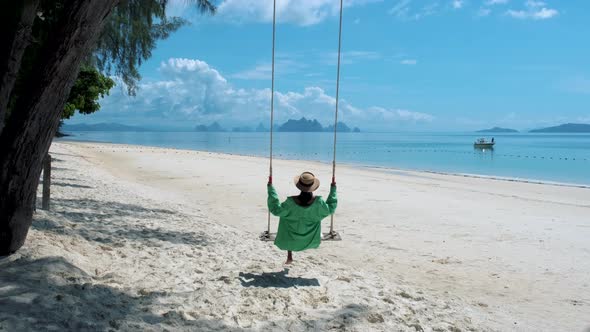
point(61, 169)
point(71, 185)
point(113, 223)
point(52, 294)
point(275, 279)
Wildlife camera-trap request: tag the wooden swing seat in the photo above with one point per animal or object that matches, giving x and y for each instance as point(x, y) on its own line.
point(329, 236)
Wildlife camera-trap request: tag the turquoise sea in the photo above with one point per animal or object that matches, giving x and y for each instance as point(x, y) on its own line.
point(546, 157)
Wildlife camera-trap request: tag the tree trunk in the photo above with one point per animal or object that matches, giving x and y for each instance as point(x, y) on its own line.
point(11, 56)
point(46, 183)
point(27, 136)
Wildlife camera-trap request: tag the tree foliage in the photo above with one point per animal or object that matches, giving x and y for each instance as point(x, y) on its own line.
point(89, 87)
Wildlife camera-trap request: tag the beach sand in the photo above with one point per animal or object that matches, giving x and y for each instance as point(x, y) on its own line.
point(143, 238)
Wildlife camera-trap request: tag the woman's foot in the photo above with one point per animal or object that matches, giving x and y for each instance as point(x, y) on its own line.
point(289, 257)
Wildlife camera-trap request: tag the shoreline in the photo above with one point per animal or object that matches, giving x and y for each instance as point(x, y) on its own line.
point(363, 166)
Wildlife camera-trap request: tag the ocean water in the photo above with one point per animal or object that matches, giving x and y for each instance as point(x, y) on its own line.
point(561, 158)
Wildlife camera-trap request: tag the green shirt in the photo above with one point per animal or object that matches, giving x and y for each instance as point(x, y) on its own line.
point(300, 226)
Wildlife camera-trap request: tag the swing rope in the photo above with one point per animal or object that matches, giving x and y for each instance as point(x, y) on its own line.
point(272, 98)
point(336, 112)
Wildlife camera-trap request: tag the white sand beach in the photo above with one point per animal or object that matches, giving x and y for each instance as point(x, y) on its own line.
point(154, 239)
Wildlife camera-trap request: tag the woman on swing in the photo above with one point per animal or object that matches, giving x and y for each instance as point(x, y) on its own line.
point(301, 216)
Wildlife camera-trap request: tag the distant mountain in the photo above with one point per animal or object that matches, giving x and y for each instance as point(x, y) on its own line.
point(498, 130)
point(565, 128)
point(305, 125)
point(101, 127)
point(301, 125)
point(242, 129)
point(261, 128)
point(340, 127)
point(214, 127)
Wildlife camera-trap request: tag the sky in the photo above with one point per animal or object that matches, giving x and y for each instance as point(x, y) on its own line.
point(407, 65)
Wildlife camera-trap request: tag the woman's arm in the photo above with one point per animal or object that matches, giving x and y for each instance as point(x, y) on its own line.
point(332, 200)
point(274, 204)
point(329, 206)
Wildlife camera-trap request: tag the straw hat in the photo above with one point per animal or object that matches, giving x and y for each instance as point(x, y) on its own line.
point(306, 182)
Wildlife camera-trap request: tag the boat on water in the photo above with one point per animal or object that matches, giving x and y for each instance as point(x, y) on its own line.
point(483, 144)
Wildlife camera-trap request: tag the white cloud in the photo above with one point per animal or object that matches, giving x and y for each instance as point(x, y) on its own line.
point(520, 14)
point(299, 12)
point(404, 10)
point(259, 72)
point(413, 116)
point(486, 9)
point(545, 13)
point(291, 63)
point(349, 57)
point(534, 4)
point(192, 92)
point(284, 64)
point(483, 12)
point(540, 14)
point(397, 115)
point(534, 10)
point(496, 2)
point(401, 9)
point(458, 4)
point(409, 62)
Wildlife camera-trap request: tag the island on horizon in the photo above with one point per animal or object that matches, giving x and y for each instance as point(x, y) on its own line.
point(214, 127)
point(498, 130)
point(565, 128)
point(291, 125)
point(306, 125)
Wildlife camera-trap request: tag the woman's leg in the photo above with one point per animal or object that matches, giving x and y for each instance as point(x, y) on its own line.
point(289, 257)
